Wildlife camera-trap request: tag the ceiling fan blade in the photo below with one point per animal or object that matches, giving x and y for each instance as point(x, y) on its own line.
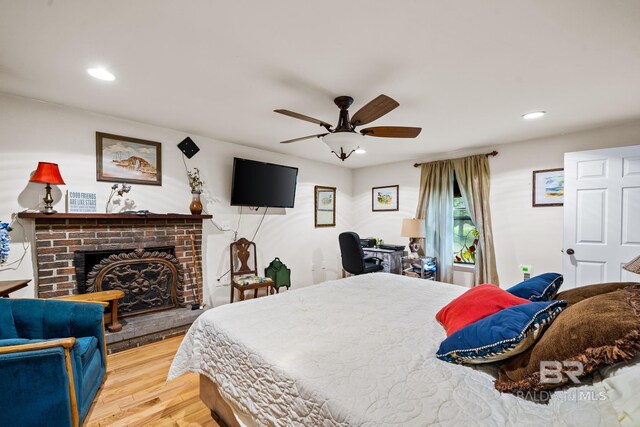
point(373, 110)
point(391, 132)
point(303, 117)
point(320, 135)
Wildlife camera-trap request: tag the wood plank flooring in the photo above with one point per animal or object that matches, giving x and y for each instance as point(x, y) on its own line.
point(135, 392)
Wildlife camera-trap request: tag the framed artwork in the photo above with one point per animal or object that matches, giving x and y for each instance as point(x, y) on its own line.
point(131, 160)
point(385, 199)
point(325, 206)
point(548, 187)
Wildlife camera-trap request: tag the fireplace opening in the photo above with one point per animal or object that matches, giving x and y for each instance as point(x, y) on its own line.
point(151, 278)
point(84, 261)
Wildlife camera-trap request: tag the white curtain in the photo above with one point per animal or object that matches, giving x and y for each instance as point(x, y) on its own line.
point(435, 206)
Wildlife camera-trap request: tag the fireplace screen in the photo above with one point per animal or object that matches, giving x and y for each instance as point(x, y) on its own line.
point(150, 280)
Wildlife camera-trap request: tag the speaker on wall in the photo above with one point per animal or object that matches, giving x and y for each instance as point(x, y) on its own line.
point(188, 147)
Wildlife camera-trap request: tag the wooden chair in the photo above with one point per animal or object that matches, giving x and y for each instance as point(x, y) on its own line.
point(240, 253)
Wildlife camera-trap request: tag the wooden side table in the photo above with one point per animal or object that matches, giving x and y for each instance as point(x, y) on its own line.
point(111, 297)
point(8, 286)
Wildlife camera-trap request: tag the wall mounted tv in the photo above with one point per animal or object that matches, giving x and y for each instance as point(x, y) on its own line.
point(261, 184)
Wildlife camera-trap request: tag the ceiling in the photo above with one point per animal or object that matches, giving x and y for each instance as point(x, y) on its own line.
point(464, 71)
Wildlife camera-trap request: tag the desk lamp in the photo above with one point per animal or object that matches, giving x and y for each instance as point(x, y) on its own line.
point(633, 265)
point(414, 229)
point(47, 173)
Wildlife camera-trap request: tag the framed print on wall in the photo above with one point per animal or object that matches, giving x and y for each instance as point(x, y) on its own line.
point(325, 206)
point(548, 187)
point(385, 199)
point(129, 160)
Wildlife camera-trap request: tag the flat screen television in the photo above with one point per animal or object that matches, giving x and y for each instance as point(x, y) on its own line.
point(261, 184)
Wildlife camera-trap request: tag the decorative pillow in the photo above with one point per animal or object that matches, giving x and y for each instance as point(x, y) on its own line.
point(540, 288)
point(601, 330)
point(575, 295)
point(501, 335)
point(475, 304)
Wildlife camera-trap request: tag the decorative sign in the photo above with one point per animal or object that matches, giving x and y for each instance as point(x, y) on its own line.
point(80, 201)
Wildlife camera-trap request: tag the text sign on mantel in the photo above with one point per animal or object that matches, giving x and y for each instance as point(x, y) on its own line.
point(81, 201)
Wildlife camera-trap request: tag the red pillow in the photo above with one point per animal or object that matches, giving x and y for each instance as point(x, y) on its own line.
point(475, 304)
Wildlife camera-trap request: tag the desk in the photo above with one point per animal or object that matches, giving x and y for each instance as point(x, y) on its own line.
point(391, 259)
point(8, 286)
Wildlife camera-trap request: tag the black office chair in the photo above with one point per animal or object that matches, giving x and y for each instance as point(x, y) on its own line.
point(353, 259)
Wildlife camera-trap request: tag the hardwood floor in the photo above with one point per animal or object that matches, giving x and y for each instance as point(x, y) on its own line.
point(135, 392)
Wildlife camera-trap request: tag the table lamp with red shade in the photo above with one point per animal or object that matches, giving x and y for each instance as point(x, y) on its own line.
point(47, 173)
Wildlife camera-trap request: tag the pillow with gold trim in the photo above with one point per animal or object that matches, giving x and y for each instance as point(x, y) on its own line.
point(501, 335)
point(578, 294)
point(543, 287)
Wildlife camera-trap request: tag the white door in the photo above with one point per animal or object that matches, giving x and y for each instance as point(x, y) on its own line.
point(601, 215)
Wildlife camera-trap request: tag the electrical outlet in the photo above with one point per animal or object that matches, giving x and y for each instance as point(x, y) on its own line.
point(527, 271)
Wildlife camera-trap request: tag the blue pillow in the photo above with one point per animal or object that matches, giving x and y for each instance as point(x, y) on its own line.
point(501, 335)
point(540, 288)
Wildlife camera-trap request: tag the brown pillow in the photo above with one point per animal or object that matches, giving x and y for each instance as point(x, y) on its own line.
point(575, 295)
point(601, 330)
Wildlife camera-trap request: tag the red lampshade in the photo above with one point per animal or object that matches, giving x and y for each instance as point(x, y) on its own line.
point(47, 173)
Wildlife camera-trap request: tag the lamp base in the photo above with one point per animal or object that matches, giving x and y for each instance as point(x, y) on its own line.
point(48, 202)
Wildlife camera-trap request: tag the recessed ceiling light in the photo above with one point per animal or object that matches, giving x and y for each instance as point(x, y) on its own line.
point(360, 151)
point(101, 74)
point(534, 115)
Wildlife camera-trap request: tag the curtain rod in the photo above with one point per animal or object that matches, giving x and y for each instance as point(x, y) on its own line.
point(492, 154)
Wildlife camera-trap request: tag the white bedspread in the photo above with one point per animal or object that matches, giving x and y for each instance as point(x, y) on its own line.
point(360, 351)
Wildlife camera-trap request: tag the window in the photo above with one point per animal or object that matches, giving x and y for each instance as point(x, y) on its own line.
point(465, 235)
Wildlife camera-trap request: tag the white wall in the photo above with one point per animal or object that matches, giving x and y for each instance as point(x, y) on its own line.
point(523, 234)
point(32, 131)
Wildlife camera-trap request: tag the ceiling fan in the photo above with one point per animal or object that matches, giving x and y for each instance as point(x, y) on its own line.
point(344, 139)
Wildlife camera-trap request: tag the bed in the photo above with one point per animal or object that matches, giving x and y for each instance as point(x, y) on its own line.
point(357, 351)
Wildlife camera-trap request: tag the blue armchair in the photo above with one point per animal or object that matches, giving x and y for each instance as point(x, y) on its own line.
point(52, 361)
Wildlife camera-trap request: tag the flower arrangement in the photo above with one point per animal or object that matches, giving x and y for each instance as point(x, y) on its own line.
point(5, 241)
point(194, 180)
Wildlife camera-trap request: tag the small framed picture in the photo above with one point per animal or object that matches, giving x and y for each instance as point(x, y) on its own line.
point(384, 199)
point(131, 160)
point(548, 187)
point(325, 206)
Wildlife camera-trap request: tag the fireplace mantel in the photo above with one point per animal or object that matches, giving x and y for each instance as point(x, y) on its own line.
point(39, 215)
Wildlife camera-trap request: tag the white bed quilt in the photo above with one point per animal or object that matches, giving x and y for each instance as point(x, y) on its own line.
point(360, 351)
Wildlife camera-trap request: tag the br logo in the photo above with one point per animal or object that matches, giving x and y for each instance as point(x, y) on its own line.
point(552, 371)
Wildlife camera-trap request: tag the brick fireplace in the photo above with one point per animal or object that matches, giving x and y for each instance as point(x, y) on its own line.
point(59, 236)
point(61, 240)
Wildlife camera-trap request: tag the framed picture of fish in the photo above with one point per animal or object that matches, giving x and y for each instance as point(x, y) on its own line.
point(325, 206)
point(128, 160)
point(548, 187)
point(385, 199)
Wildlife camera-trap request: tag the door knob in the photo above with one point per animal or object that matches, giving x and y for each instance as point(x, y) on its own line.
point(570, 251)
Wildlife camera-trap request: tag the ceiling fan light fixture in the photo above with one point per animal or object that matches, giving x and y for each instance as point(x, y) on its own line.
point(343, 144)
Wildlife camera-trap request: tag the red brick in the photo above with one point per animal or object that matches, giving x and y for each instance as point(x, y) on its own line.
point(68, 270)
point(82, 234)
point(50, 236)
point(52, 280)
point(43, 243)
point(67, 242)
point(56, 250)
point(45, 258)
